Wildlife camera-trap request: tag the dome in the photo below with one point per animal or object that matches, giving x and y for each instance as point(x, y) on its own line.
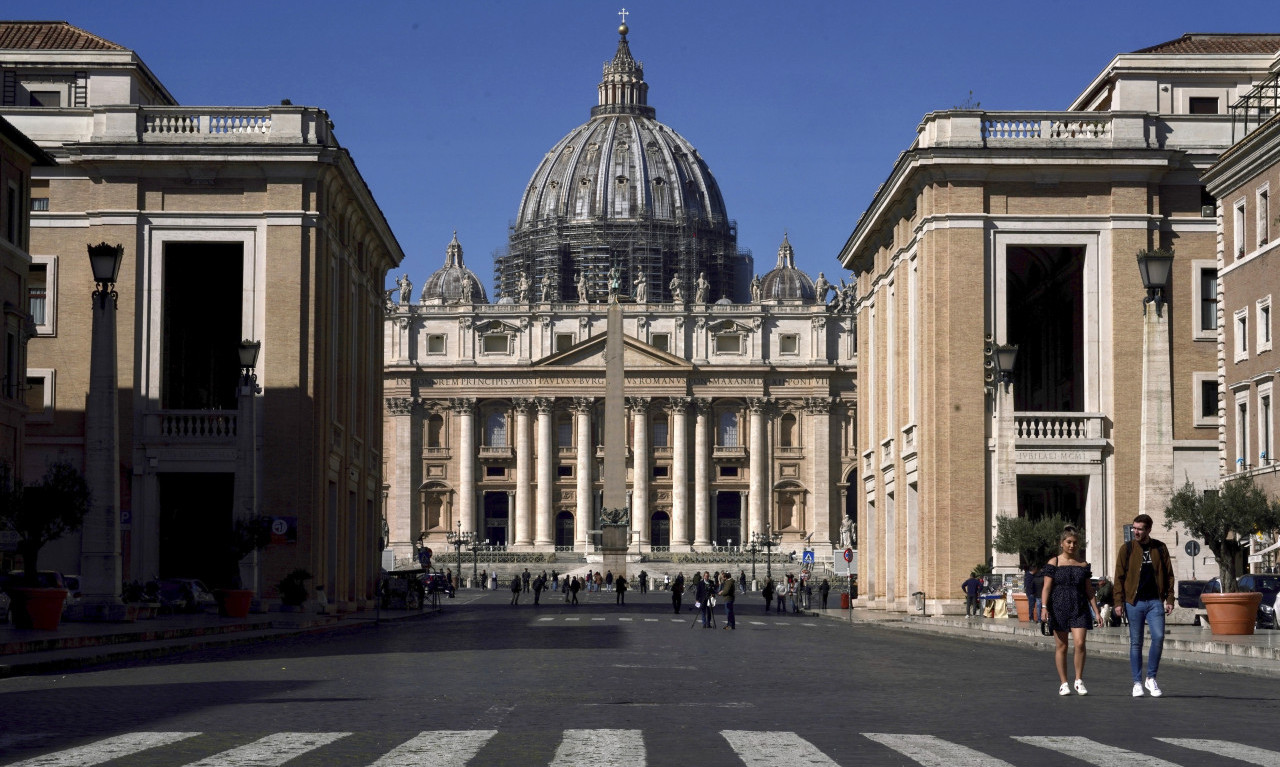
point(621, 190)
point(453, 283)
point(785, 282)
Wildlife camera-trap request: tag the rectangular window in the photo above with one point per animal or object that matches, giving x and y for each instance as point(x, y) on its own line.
point(12, 387)
point(660, 432)
point(729, 344)
point(564, 470)
point(495, 471)
point(1208, 299)
point(728, 471)
point(1238, 228)
point(1242, 335)
point(1208, 391)
point(40, 203)
point(435, 343)
point(789, 343)
point(660, 341)
point(1202, 105)
point(661, 472)
point(1264, 228)
point(46, 98)
point(563, 341)
point(1242, 434)
point(496, 344)
point(38, 395)
point(1263, 320)
point(1264, 428)
point(37, 292)
point(564, 433)
point(13, 215)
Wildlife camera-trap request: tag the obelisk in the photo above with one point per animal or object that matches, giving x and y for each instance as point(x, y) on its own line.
point(615, 517)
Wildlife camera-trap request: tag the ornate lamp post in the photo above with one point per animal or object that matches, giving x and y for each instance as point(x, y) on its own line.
point(246, 480)
point(100, 569)
point(459, 540)
point(766, 540)
point(1155, 472)
point(476, 545)
point(1005, 356)
point(754, 548)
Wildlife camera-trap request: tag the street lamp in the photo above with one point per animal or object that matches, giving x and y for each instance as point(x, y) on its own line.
point(100, 568)
point(1154, 266)
point(768, 541)
point(754, 548)
point(457, 541)
point(246, 479)
point(476, 545)
point(249, 360)
point(1005, 356)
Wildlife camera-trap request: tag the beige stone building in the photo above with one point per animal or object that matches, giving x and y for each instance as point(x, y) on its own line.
point(1022, 228)
point(237, 223)
point(1244, 181)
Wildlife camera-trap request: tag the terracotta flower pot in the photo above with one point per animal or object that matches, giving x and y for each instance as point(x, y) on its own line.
point(1232, 613)
point(234, 603)
point(36, 608)
point(1024, 608)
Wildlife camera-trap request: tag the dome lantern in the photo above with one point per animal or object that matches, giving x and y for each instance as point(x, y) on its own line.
point(453, 283)
point(786, 283)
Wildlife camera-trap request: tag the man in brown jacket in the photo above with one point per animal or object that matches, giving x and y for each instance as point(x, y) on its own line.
point(1144, 591)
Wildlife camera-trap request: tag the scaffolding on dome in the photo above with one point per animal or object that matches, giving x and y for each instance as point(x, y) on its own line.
point(658, 249)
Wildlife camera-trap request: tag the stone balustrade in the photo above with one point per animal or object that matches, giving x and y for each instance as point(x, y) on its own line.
point(129, 123)
point(194, 425)
point(1100, 130)
point(1047, 427)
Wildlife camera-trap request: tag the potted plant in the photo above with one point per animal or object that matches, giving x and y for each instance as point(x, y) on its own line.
point(247, 535)
point(1224, 520)
point(1034, 541)
point(39, 514)
point(293, 589)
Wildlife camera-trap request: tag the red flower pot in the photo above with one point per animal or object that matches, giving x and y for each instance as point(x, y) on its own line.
point(1232, 613)
point(36, 608)
point(234, 603)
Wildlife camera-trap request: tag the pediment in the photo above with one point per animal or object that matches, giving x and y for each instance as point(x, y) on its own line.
point(635, 354)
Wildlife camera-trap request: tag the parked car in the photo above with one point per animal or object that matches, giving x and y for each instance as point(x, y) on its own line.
point(1268, 585)
point(1189, 594)
point(72, 583)
point(188, 595)
point(46, 579)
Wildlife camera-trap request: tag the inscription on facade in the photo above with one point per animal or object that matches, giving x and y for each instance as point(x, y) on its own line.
point(1058, 456)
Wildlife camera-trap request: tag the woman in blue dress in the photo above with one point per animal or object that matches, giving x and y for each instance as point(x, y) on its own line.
point(1066, 600)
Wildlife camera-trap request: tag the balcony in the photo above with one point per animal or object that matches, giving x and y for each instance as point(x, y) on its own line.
point(1071, 130)
point(729, 451)
point(191, 426)
point(175, 125)
point(490, 452)
point(789, 451)
point(437, 452)
point(1047, 429)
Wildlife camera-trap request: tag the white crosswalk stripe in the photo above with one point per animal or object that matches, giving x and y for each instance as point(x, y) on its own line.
point(775, 749)
point(935, 752)
point(1093, 752)
point(1251, 754)
point(443, 748)
point(271, 751)
point(106, 750)
point(600, 748)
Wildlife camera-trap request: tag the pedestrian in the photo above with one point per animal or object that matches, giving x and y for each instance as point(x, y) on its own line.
point(493, 581)
point(608, 581)
point(824, 589)
point(644, 582)
point(1144, 594)
point(621, 584)
point(666, 581)
point(515, 590)
point(539, 584)
point(587, 583)
point(1106, 601)
point(767, 591)
point(702, 598)
point(555, 580)
point(972, 589)
point(524, 577)
point(599, 581)
point(565, 588)
point(742, 580)
point(484, 580)
point(780, 591)
point(677, 592)
point(1032, 584)
point(1066, 601)
point(728, 589)
point(574, 587)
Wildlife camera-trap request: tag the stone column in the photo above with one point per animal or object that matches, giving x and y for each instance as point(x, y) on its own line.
point(679, 474)
point(524, 466)
point(582, 407)
point(465, 409)
point(640, 471)
point(400, 481)
point(702, 474)
point(822, 473)
point(547, 459)
point(759, 465)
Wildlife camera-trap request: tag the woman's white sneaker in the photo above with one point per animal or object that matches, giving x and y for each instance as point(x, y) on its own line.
point(1080, 688)
point(1065, 689)
point(1153, 688)
point(1137, 690)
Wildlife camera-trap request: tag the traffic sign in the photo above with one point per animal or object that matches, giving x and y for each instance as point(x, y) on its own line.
point(1192, 548)
point(848, 555)
point(807, 558)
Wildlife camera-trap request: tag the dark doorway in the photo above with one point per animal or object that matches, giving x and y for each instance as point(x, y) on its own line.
point(1046, 321)
point(728, 518)
point(660, 530)
point(564, 530)
point(195, 522)
point(201, 336)
point(495, 518)
point(1043, 496)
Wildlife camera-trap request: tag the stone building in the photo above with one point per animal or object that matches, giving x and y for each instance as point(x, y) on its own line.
point(1021, 228)
point(740, 411)
point(237, 223)
point(1244, 181)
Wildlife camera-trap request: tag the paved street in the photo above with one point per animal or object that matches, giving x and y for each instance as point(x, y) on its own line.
point(484, 683)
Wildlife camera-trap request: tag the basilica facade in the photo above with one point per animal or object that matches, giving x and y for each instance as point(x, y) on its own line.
point(739, 392)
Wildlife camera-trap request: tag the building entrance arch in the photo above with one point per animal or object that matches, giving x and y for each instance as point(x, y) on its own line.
point(495, 517)
point(660, 530)
point(564, 530)
point(728, 517)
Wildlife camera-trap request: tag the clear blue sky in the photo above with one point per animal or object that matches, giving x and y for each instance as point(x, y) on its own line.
point(799, 108)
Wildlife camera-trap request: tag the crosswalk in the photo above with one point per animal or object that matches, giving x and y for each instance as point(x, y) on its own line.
point(580, 620)
point(628, 748)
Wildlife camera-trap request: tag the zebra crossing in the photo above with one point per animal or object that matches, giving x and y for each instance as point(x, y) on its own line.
point(622, 748)
point(588, 620)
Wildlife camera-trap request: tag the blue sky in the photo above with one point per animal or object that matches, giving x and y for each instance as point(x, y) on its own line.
point(799, 108)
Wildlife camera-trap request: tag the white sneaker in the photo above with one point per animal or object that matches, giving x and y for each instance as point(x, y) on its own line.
point(1153, 688)
point(1065, 689)
point(1137, 690)
point(1080, 688)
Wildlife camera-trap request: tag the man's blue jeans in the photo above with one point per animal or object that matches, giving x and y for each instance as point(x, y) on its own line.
point(1151, 613)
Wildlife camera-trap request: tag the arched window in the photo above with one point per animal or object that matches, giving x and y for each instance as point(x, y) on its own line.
point(727, 428)
point(787, 431)
point(435, 430)
point(659, 424)
point(495, 429)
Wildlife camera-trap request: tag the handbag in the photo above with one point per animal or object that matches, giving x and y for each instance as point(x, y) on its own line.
point(1044, 627)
